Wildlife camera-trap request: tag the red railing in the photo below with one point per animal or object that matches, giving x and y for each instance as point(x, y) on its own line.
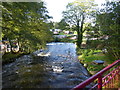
point(111, 80)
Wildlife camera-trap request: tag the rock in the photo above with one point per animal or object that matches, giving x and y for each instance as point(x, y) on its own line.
point(85, 65)
point(93, 72)
point(98, 62)
point(16, 72)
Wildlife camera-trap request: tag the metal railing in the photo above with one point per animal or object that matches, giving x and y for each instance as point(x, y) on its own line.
point(104, 79)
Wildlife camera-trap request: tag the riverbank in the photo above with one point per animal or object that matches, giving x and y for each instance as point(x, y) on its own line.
point(11, 57)
point(65, 39)
point(88, 61)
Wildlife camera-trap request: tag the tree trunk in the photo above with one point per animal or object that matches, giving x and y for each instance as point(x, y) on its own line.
point(10, 45)
point(78, 35)
point(80, 32)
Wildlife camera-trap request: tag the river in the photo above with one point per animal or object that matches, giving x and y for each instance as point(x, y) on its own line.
point(59, 70)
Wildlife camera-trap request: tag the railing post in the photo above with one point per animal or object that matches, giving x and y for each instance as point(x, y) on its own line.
point(119, 76)
point(100, 82)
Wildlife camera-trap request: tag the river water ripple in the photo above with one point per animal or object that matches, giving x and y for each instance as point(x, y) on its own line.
point(59, 70)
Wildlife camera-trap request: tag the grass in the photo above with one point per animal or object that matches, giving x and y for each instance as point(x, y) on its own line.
point(89, 59)
point(88, 56)
point(61, 33)
point(68, 35)
point(67, 40)
point(64, 40)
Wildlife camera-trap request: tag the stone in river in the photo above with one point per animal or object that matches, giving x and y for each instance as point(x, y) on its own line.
point(98, 62)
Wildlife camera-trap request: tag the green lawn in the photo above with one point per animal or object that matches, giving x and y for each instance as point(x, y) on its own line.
point(89, 56)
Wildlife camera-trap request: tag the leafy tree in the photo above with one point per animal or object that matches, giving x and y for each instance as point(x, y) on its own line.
point(26, 22)
point(51, 25)
point(63, 25)
point(77, 14)
point(108, 20)
point(93, 36)
point(56, 26)
point(108, 27)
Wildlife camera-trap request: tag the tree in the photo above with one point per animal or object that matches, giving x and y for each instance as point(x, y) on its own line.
point(63, 25)
point(108, 20)
point(76, 14)
point(93, 37)
point(26, 22)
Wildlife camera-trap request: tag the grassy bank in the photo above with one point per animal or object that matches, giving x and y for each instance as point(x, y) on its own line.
point(88, 56)
point(67, 39)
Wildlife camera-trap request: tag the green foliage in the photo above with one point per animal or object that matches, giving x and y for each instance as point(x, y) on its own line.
point(63, 25)
point(96, 68)
point(106, 31)
point(61, 33)
point(87, 52)
point(76, 13)
point(10, 57)
point(26, 22)
point(51, 25)
point(89, 55)
point(64, 40)
point(56, 39)
point(68, 40)
point(108, 20)
point(95, 44)
point(95, 57)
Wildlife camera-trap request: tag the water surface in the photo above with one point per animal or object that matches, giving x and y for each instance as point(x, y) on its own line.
point(59, 70)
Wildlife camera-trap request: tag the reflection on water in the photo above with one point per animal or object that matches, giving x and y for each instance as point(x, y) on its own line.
point(59, 70)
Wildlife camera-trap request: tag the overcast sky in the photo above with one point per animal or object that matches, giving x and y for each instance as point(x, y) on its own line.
point(55, 7)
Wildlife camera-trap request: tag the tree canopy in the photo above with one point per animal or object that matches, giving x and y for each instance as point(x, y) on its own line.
point(107, 29)
point(109, 21)
point(77, 13)
point(26, 22)
point(61, 25)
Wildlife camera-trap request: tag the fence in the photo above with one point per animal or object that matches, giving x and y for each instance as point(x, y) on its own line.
point(109, 77)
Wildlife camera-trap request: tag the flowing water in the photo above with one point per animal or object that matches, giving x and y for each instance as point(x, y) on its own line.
point(61, 69)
